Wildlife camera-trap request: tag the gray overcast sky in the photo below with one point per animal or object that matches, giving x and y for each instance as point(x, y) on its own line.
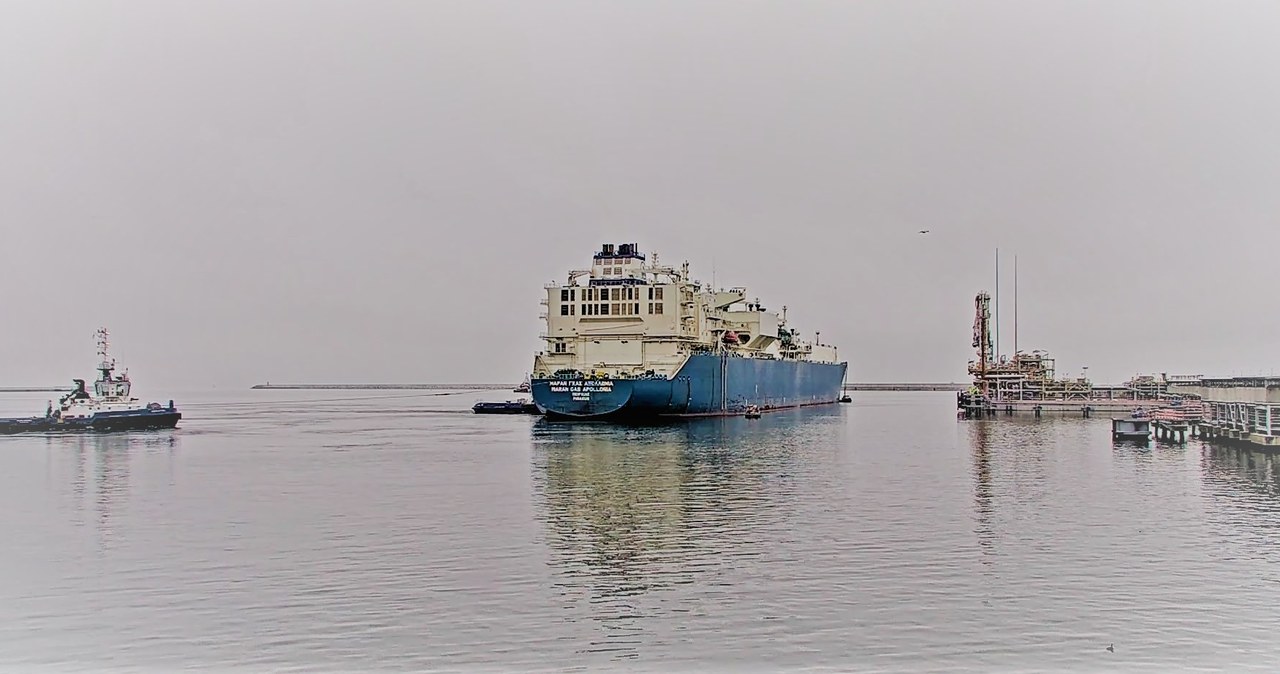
point(376, 191)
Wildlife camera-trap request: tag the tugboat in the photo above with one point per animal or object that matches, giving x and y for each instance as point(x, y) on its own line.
point(521, 406)
point(524, 385)
point(110, 408)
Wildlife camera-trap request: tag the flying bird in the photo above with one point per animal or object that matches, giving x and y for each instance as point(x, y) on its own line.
point(924, 231)
point(1111, 648)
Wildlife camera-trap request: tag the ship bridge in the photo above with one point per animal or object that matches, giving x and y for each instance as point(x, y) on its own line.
point(620, 265)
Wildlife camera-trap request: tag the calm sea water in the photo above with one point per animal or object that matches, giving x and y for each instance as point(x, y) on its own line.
point(383, 531)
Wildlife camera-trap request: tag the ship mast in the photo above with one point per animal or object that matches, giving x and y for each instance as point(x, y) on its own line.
point(106, 364)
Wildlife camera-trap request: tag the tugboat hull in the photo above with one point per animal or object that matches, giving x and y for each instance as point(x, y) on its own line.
point(105, 422)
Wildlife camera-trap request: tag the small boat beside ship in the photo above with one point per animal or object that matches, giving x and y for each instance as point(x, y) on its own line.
point(521, 406)
point(523, 387)
point(110, 408)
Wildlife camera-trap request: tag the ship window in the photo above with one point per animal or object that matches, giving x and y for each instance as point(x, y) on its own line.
point(572, 292)
point(564, 309)
point(651, 297)
point(657, 307)
point(571, 308)
point(635, 308)
point(657, 294)
point(564, 295)
point(604, 310)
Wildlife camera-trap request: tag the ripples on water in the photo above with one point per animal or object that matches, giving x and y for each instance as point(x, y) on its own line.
point(320, 532)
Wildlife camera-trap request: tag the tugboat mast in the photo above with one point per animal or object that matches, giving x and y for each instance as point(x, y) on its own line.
point(107, 364)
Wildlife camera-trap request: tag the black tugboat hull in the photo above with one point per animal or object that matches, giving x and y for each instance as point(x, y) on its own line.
point(99, 423)
point(505, 408)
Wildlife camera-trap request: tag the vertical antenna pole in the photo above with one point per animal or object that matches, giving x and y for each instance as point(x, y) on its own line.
point(1015, 306)
point(997, 326)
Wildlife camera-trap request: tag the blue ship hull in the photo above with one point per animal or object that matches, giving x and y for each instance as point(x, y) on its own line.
point(707, 385)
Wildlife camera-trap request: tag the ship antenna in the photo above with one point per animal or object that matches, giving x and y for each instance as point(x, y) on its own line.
point(106, 364)
point(1015, 306)
point(997, 326)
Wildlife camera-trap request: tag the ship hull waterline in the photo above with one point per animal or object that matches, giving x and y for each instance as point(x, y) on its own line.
point(147, 421)
point(706, 385)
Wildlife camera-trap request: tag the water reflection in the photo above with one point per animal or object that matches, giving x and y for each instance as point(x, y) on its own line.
point(1008, 456)
point(983, 488)
point(100, 476)
point(1254, 470)
point(632, 513)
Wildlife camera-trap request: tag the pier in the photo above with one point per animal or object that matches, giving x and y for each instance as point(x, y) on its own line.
point(1238, 410)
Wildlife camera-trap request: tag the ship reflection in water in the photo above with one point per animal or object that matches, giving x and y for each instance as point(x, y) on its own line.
point(100, 472)
point(633, 514)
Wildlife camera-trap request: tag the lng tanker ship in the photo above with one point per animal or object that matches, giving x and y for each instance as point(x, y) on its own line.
point(630, 339)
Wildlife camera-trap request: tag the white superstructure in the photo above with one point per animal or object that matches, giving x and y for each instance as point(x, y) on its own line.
point(628, 317)
point(111, 390)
